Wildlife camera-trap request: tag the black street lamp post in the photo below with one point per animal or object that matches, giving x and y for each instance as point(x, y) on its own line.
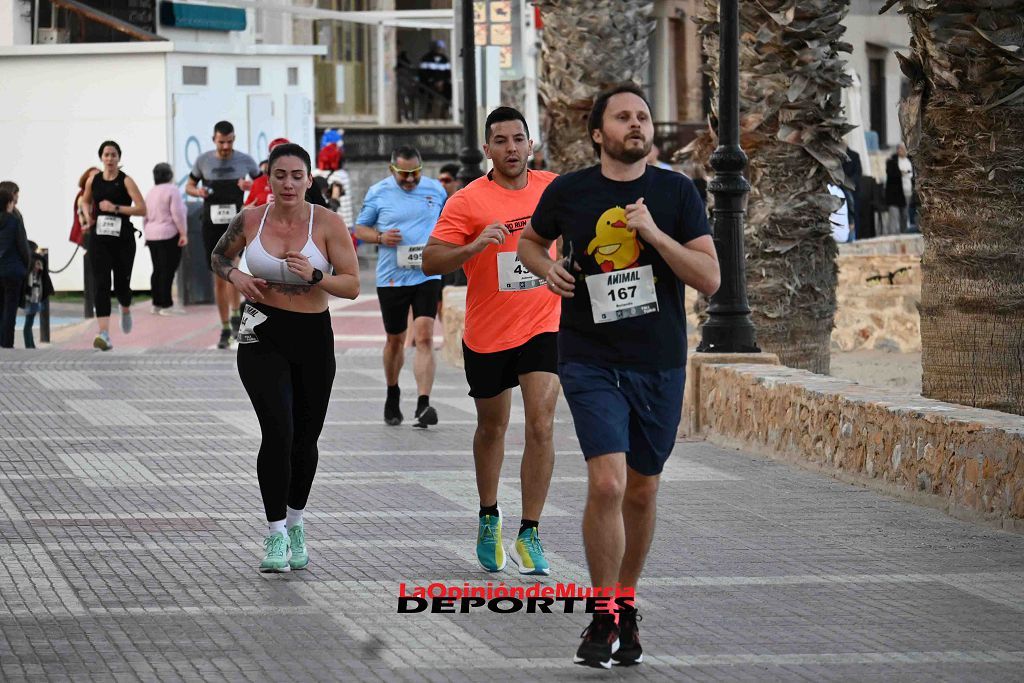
point(470, 157)
point(729, 328)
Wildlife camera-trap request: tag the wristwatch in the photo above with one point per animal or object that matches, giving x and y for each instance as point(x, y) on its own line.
point(318, 275)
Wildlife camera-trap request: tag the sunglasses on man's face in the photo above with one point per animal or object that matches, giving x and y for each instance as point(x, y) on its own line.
point(446, 179)
point(407, 173)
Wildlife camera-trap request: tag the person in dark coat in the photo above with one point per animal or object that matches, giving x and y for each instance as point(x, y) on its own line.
point(14, 262)
point(854, 173)
point(899, 187)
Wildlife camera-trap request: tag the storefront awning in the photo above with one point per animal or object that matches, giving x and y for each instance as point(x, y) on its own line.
point(414, 18)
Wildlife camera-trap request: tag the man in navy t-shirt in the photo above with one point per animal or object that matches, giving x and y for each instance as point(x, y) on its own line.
point(633, 235)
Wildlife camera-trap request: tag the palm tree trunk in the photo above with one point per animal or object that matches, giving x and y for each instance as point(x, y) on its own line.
point(792, 130)
point(964, 128)
point(587, 45)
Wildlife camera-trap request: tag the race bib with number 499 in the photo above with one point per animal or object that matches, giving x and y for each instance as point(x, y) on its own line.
point(410, 255)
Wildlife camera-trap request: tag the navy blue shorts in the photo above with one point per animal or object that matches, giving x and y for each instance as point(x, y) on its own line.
point(635, 412)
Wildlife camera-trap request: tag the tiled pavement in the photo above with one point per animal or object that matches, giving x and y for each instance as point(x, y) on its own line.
point(131, 527)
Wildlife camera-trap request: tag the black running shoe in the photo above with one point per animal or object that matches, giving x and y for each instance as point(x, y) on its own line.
point(236, 322)
point(225, 339)
point(629, 652)
point(426, 417)
point(392, 414)
point(600, 642)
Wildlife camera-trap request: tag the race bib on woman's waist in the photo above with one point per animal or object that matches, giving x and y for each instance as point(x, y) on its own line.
point(251, 317)
point(410, 255)
point(622, 294)
point(108, 226)
point(513, 276)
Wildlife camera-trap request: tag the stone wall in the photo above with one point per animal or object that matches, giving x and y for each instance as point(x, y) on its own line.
point(878, 293)
point(967, 461)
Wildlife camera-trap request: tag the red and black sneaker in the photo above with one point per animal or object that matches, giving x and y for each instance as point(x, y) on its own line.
point(629, 652)
point(600, 642)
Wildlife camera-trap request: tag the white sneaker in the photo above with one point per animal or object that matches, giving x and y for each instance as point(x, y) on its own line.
point(173, 311)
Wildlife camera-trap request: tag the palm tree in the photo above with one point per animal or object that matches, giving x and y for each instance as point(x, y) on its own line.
point(587, 46)
point(792, 128)
point(964, 126)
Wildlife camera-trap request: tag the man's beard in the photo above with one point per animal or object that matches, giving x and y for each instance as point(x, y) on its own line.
point(619, 152)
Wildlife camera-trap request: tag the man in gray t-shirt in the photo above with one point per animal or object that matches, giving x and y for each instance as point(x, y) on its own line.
point(222, 172)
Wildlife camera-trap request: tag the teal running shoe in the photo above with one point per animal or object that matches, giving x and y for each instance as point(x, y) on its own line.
point(529, 554)
point(297, 542)
point(102, 342)
point(489, 550)
point(276, 559)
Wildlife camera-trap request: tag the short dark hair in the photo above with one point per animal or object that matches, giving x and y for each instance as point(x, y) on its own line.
point(108, 143)
point(503, 114)
point(223, 127)
point(451, 169)
point(289, 149)
point(405, 152)
point(601, 104)
point(6, 197)
point(10, 186)
point(162, 173)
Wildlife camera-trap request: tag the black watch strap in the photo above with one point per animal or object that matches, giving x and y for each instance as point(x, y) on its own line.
point(318, 275)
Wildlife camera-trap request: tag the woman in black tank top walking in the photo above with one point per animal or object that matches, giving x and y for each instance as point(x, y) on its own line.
point(112, 246)
point(299, 255)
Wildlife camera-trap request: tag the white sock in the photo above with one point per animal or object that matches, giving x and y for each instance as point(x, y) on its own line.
point(294, 518)
point(278, 527)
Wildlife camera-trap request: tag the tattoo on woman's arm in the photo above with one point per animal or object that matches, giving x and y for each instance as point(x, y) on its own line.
point(221, 264)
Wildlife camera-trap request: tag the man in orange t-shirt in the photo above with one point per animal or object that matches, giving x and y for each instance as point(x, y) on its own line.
point(510, 334)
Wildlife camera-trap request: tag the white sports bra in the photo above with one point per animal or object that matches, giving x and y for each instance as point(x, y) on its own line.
point(273, 269)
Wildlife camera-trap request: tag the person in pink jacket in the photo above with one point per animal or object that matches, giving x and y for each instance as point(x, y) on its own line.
point(166, 233)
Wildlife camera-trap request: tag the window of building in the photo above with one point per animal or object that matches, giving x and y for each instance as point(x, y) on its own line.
point(246, 75)
point(293, 75)
point(193, 75)
point(876, 99)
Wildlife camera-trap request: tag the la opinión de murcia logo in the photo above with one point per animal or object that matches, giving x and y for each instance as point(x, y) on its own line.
point(440, 598)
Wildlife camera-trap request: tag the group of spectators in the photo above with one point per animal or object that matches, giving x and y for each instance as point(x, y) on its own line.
point(24, 280)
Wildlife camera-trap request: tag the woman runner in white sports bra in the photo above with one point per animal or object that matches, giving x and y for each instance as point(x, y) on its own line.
point(298, 255)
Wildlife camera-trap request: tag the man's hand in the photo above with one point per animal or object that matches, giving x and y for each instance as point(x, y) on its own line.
point(639, 218)
point(391, 238)
point(560, 280)
point(495, 233)
point(250, 287)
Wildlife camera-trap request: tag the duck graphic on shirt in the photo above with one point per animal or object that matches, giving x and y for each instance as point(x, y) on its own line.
point(614, 247)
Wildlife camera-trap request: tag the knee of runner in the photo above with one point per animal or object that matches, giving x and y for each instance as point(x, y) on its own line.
point(607, 486)
point(539, 430)
point(491, 430)
point(642, 491)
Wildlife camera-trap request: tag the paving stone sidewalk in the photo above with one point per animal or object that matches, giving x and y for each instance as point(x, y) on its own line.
point(131, 528)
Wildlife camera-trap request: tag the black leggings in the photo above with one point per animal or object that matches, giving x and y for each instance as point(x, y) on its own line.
point(117, 255)
point(287, 370)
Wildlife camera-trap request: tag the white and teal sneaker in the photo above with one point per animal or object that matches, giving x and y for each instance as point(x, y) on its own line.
point(102, 342)
point(489, 550)
point(278, 554)
point(529, 554)
point(297, 542)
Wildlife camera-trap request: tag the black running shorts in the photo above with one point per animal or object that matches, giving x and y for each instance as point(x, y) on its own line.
point(489, 374)
point(396, 301)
